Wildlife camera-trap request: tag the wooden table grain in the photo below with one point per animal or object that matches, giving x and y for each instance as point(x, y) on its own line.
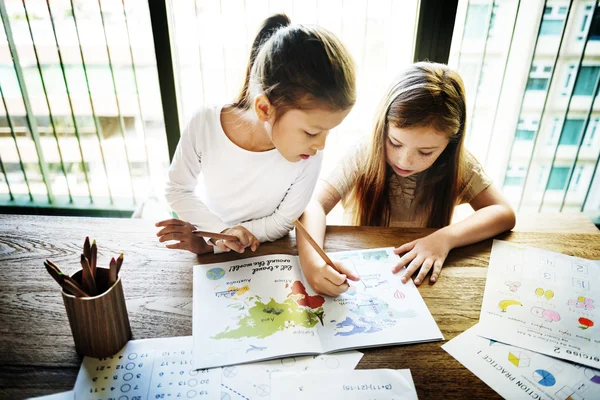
point(37, 354)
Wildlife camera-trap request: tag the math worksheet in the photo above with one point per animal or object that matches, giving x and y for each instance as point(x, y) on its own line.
point(362, 384)
point(543, 301)
point(261, 308)
point(161, 369)
point(147, 369)
point(516, 373)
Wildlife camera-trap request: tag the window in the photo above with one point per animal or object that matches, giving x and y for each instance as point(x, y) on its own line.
point(539, 76)
point(586, 81)
point(537, 83)
point(477, 21)
point(551, 27)
point(553, 21)
point(571, 132)
point(595, 25)
point(526, 128)
point(591, 132)
point(515, 175)
point(558, 178)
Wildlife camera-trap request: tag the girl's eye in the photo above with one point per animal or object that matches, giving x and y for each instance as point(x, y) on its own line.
point(311, 134)
point(426, 154)
point(397, 146)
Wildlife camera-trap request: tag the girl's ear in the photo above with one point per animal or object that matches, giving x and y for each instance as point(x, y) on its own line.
point(263, 108)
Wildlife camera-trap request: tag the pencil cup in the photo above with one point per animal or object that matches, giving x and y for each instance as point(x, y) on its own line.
point(100, 324)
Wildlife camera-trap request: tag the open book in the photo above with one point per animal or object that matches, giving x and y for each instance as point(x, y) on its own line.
point(262, 307)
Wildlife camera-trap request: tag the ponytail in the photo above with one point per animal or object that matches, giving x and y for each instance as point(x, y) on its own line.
point(298, 67)
point(269, 26)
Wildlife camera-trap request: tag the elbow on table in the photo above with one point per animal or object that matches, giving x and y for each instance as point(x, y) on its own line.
point(509, 218)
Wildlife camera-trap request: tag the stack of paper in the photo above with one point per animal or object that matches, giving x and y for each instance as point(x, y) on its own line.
point(539, 307)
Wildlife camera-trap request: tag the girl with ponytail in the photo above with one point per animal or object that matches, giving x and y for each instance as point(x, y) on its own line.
point(259, 158)
point(412, 172)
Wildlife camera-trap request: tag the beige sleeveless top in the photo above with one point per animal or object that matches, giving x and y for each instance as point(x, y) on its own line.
point(402, 190)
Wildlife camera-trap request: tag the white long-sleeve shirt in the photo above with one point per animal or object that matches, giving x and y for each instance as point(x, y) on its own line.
point(261, 191)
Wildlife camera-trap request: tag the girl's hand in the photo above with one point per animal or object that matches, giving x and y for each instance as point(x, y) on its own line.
point(427, 252)
point(326, 280)
point(245, 239)
point(181, 231)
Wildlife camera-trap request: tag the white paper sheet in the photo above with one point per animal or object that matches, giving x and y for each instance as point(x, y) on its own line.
point(362, 384)
point(56, 396)
point(543, 301)
point(262, 308)
point(253, 381)
point(147, 369)
point(161, 369)
point(516, 373)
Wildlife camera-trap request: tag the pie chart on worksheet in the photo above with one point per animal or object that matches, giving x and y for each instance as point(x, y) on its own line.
point(544, 377)
point(593, 375)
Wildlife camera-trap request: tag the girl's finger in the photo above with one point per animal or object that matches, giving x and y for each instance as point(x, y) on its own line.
point(412, 267)
point(172, 221)
point(404, 260)
point(171, 236)
point(331, 289)
point(177, 245)
point(424, 270)
point(234, 245)
point(405, 247)
point(437, 270)
point(353, 276)
point(255, 244)
point(221, 245)
point(333, 276)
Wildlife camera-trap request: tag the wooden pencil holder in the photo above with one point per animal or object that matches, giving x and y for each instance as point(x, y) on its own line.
point(100, 324)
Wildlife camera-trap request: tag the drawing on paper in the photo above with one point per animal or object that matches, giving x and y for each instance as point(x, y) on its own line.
point(504, 304)
point(548, 294)
point(582, 302)
point(263, 319)
point(585, 323)
point(367, 314)
point(519, 359)
point(544, 377)
point(513, 286)
point(548, 315)
point(215, 274)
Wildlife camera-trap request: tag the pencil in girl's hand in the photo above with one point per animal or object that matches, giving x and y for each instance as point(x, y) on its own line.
point(214, 235)
point(89, 283)
point(300, 228)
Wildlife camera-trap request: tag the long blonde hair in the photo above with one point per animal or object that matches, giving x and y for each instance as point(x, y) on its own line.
point(424, 95)
point(298, 66)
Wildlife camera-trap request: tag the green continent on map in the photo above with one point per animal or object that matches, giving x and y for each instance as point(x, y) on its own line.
point(264, 320)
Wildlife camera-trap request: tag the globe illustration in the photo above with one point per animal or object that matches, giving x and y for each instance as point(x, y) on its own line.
point(215, 273)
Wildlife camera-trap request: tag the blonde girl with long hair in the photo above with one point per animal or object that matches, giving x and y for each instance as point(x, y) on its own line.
point(412, 172)
point(258, 158)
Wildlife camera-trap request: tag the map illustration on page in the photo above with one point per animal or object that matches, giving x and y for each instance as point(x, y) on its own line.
point(261, 308)
point(543, 301)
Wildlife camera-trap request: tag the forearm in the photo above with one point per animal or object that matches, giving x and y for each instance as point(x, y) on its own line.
point(483, 224)
point(314, 220)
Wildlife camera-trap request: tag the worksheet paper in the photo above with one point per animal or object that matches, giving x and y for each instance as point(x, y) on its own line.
point(262, 308)
point(56, 396)
point(516, 373)
point(543, 301)
point(362, 384)
point(253, 381)
point(162, 369)
point(147, 369)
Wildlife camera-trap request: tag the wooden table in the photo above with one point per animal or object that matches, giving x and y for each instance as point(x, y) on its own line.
point(37, 354)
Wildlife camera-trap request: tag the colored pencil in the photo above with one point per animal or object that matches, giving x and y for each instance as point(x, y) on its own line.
point(89, 283)
point(302, 230)
point(214, 235)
